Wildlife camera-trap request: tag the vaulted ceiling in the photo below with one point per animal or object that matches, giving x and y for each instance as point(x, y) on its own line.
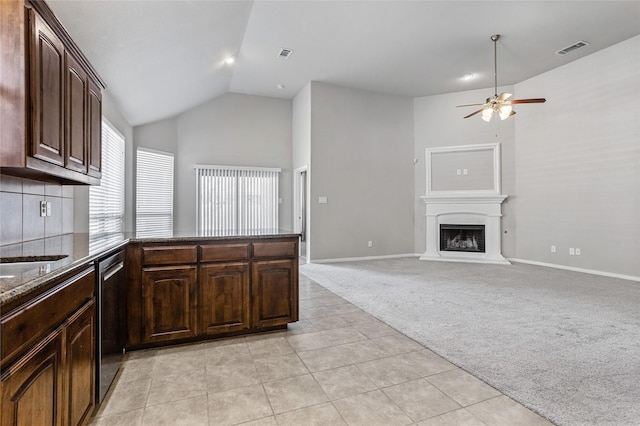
point(160, 58)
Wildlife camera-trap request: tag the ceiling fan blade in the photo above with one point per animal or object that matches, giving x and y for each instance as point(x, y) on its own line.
point(458, 106)
point(528, 101)
point(503, 96)
point(474, 113)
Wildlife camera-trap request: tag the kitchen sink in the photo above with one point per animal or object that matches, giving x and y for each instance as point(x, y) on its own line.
point(32, 259)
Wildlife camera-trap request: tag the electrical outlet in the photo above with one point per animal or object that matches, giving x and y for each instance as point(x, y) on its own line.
point(553, 249)
point(370, 243)
point(465, 172)
point(577, 252)
point(572, 251)
point(43, 208)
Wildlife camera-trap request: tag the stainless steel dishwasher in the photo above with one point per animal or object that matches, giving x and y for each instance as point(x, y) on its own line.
point(110, 342)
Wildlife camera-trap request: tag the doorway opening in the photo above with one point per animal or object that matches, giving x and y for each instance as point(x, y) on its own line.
point(300, 210)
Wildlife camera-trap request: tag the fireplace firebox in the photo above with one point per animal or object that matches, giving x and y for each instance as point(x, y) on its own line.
point(467, 238)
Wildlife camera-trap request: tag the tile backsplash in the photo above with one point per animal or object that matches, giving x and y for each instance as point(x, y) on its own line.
point(20, 219)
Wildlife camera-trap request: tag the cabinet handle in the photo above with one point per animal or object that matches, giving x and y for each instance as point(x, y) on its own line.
point(113, 270)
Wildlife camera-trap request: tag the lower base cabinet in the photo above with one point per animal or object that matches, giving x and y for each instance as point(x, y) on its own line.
point(274, 298)
point(224, 297)
point(53, 382)
point(195, 290)
point(80, 363)
point(32, 387)
point(169, 302)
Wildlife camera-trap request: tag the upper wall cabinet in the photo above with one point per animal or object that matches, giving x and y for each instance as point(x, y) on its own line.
point(51, 127)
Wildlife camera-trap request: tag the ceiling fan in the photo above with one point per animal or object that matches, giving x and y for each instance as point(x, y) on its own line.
point(499, 104)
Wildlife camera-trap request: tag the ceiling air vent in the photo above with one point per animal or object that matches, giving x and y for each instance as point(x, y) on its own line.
point(573, 47)
point(285, 53)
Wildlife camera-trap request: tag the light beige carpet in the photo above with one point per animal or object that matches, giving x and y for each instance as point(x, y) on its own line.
point(565, 344)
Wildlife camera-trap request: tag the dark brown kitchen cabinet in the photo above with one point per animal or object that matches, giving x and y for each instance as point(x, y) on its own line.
point(51, 129)
point(32, 389)
point(274, 295)
point(47, 92)
point(77, 92)
point(224, 297)
point(169, 302)
point(48, 354)
point(80, 363)
point(94, 130)
point(203, 288)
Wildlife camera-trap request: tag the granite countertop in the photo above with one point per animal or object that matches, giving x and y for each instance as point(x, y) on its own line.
point(17, 279)
point(78, 249)
point(223, 235)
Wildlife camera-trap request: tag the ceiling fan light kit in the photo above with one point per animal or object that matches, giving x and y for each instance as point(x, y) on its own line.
point(499, 104)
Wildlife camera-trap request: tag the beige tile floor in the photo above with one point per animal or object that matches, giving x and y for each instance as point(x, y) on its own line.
point(336, 366)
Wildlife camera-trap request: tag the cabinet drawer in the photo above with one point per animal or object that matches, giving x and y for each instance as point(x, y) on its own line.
point(25, 324)
point(219, 252)
point(169, 255)
point(275, 249)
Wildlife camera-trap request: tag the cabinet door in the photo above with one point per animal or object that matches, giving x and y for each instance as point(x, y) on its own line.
point(80, 365)
point(224, 297)
point(94, 130)
point(169, 303)
point(46, 92)
point(31, 389)
point(274, 292)
point(76, 120)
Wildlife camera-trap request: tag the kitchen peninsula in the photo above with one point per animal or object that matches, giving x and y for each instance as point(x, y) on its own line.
point(175, 289)
point(190, 287)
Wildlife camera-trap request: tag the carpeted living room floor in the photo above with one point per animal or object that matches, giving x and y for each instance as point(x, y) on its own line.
point(563, 343)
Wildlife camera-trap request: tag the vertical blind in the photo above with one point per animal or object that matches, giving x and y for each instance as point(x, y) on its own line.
point(106, 202)
point(154, 193)
point(236, 199)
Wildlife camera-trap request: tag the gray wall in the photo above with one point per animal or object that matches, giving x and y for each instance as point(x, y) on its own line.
point(578, 163)
point(233, 129)
point(475, 168)
point(438, 123)
point(361, 160)
point(301, 149)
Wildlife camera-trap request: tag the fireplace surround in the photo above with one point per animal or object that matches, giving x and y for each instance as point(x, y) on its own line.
point(469, 210)
point(463, 191)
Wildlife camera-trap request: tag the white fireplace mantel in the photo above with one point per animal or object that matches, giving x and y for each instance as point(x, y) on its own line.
point(464, 209)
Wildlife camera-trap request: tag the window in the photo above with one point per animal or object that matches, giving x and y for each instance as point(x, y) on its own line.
point(106, 202)
point(236, 199)
point(154, 193)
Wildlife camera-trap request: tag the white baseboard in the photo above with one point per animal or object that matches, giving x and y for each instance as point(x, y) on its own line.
point(355, 259)
point(571, 268)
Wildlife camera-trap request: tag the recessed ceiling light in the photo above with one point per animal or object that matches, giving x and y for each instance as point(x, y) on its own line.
point(468, 77)
point(281, 86)
point(230, 60)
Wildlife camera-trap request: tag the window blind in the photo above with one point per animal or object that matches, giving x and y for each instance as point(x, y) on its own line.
point(106, 202)
point(236, 199)
point(154, 193)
